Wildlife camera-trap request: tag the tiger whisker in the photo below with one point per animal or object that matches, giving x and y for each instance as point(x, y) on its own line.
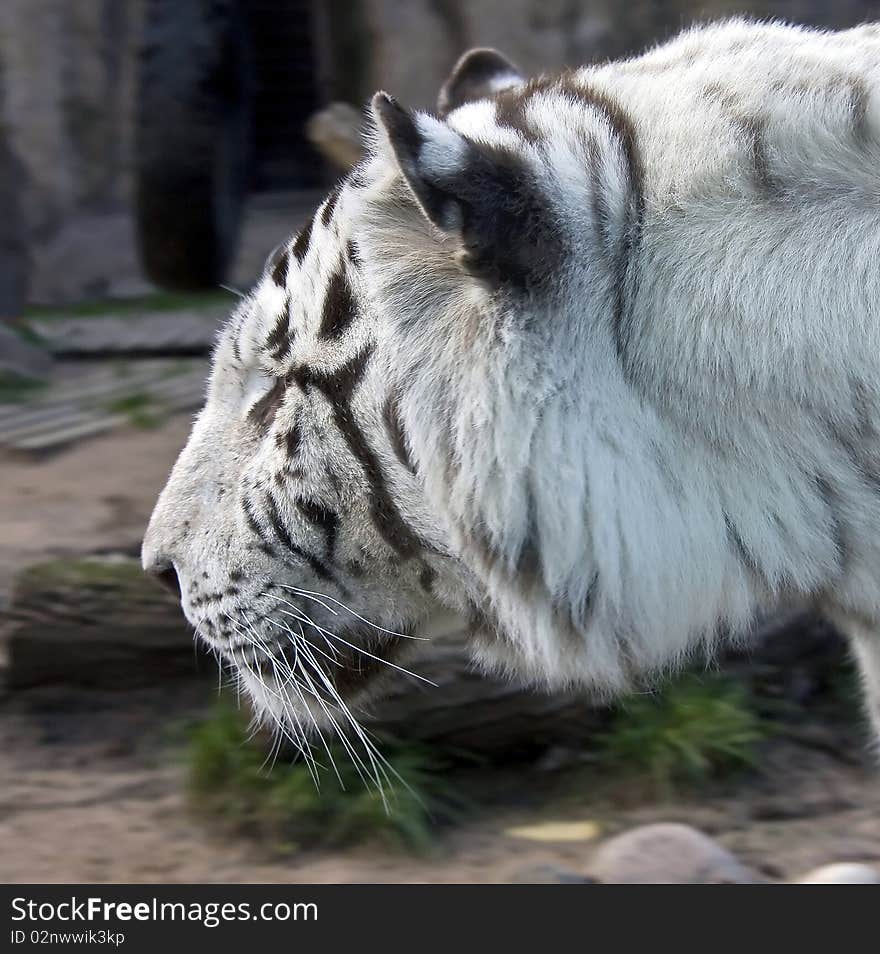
point(357, 762)
point(272, 755)
point(301, 616)
point(296, 737)
point(374, 756)
point(300, 743)
point(295, 679)
point(292, 680)
point(317, 649)
point(385, 662)
point(359, 766)
point(365, 652)
point(297, 688)
point(320, 597)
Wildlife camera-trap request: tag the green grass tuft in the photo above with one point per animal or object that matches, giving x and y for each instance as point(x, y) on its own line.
point(19, 388)
point(229, 778)
point(695, 730)
point(141, 409)
point(144, 304)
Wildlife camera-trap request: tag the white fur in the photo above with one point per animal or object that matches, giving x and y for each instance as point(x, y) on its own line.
point(740, 415)
point(751, 320)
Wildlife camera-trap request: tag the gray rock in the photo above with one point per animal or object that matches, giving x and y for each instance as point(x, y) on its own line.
point(668, 854)
point(336, 132)
point(13, 245)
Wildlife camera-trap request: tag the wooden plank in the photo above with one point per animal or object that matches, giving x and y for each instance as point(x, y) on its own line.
point(60, 431)
point(173, 332)
point(84, 405)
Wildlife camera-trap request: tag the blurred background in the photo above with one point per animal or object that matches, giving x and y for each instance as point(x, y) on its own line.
point(152, 154)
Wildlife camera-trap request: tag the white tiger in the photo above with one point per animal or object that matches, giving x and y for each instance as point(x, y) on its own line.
point(591, 360)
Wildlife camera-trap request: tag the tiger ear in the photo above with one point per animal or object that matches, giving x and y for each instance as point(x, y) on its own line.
point(480, 73)
point(433, 158)
point(482, 194)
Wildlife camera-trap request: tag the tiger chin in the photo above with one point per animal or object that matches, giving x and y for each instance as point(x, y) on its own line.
point(590, 361)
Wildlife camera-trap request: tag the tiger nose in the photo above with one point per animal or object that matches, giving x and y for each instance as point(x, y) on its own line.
point(166, 574)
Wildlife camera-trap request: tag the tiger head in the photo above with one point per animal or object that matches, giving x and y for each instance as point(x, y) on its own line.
point(357, 467)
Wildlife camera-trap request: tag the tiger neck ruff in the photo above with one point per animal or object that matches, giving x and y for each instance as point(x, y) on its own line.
point(590, 360)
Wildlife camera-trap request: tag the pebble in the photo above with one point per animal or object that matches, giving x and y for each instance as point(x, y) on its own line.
point(842, 873)
point(668, 854)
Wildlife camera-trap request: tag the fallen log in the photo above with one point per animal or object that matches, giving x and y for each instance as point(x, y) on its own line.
point(103, 623)
point(96, 623)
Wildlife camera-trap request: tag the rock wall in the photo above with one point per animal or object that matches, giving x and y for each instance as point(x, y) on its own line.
point(541, 35)
point(67, 77)
point(67, 70)
point(68, 67)
point(68, 80)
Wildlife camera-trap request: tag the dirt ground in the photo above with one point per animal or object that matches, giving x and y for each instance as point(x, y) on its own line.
point(94, 497)
point(92, 790)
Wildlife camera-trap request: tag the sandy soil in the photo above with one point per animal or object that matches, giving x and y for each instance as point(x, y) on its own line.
point(95, 496)
point(92, 790)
